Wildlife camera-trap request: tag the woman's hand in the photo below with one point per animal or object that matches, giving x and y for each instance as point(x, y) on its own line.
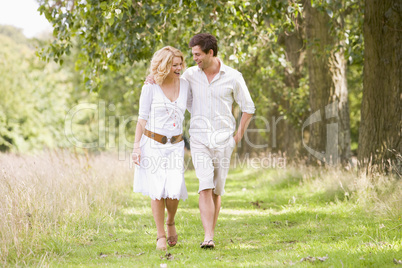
point(136, 155)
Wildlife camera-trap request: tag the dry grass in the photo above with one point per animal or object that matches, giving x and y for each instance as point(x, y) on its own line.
point(44, 194)
point(377, 193)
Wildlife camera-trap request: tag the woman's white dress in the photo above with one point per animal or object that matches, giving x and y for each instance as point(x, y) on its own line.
point(161, 170)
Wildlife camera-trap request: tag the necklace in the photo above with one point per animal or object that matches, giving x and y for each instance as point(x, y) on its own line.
point(174, 112)
point(174, 118)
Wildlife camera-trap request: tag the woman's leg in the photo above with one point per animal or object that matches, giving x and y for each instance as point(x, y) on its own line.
point(171, 205)
point(158, 211)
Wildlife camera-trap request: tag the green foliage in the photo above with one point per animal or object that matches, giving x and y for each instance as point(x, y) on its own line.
point(355, 87)
point(36, 97)
point(265, 74)
point(14, 34)
point(108, 45)
point(354, 73)
point(33, 98)
point(131, 31)
point(115, 33)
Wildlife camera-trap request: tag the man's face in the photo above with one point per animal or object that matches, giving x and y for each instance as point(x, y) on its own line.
point(202, 59)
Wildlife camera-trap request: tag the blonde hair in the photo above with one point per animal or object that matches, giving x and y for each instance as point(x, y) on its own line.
point(162, 61)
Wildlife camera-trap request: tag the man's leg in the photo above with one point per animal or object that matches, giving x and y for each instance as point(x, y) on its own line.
point(221, 169)
point(204, 170)
point(217, 204)
point(207, 211)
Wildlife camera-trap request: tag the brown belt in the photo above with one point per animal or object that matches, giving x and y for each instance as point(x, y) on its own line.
point(163, 139)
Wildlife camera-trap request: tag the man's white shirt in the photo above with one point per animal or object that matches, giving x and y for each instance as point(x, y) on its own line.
point(210, 104)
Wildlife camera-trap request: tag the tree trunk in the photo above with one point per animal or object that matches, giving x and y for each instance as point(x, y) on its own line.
point(329, 139)
point(380, 126)
point(290, 138)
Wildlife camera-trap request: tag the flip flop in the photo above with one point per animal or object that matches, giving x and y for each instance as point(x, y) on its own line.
point(210, 244)
point(203, 244)
point(207, 244)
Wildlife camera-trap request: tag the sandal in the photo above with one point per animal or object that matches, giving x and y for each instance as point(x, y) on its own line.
point(203, 244)
point(172, 240)
point(207, 244)
point(162, 247)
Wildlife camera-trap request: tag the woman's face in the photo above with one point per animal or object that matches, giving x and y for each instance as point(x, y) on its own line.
point(177, 66)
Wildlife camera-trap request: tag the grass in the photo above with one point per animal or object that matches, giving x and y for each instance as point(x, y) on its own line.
point(269, 218)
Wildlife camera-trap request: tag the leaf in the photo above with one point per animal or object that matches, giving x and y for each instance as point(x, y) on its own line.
point(397, 261)
point(103, 5)
point(330, 13)
point(313, 259)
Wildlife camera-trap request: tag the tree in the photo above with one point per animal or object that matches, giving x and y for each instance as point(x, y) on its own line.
point(293, 43)
point(381, 116)
point(118, 33)
point(33, 96)
point(328, 85)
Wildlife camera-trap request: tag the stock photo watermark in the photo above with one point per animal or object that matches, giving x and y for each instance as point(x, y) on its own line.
point(108, 133)
point(236, 161)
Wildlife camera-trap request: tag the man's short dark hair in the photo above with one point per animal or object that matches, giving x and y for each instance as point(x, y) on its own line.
point(206, 42)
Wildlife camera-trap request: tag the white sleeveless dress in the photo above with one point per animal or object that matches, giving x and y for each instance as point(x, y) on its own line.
point(161, 170)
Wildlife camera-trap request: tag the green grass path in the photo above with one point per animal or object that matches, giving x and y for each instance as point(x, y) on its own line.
point(264, 222)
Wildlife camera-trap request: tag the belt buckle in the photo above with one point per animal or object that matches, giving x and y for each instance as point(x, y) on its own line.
point(166, 140)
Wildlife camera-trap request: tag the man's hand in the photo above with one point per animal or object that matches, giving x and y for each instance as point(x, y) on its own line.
point(236, 139)
point(244, 121)
point(150, 80)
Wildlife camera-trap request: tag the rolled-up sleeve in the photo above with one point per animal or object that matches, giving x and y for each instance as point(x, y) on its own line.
point(242, 95)
point(145, 102)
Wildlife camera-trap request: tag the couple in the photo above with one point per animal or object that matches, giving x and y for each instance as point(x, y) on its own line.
point(207, 91)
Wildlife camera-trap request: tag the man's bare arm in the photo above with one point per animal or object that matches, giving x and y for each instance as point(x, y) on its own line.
point(244, 122)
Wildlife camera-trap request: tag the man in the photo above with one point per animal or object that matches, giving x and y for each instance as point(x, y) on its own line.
point(214, 87)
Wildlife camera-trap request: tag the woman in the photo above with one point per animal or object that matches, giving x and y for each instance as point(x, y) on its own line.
point(158, 145)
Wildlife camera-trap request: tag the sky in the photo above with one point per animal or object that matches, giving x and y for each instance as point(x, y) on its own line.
point(23, 14)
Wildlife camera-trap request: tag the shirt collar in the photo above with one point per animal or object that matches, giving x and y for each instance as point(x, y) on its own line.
point(223, 68)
